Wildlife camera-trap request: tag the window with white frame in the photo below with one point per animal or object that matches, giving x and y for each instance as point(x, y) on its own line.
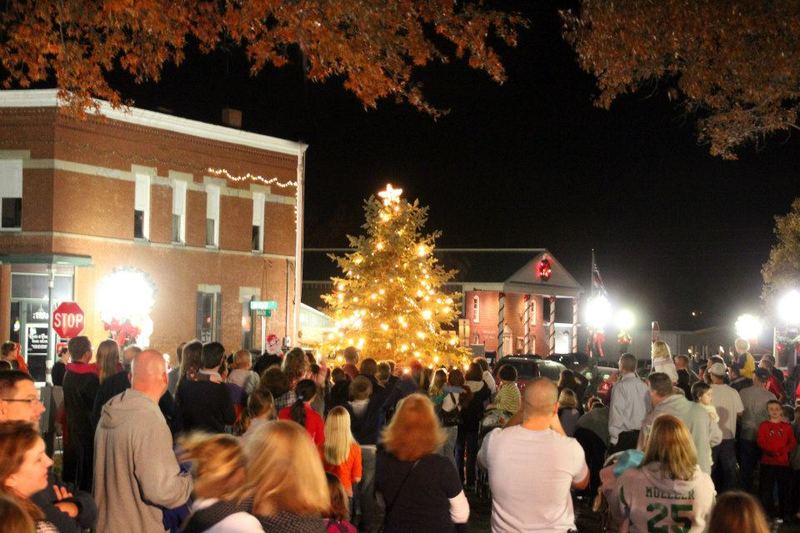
point(476, 308)
point(179, 211)
point(141, 209)
point(257, 233)
point(212, 215)
point(11, 194)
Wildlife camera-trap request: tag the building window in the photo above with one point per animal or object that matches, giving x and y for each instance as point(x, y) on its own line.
point(141, 209)
point(476, 308)
point(248, 319)
point(179, 211)
point(257, 233)
point(212, 216)
point(11, 194)
point(209, 316)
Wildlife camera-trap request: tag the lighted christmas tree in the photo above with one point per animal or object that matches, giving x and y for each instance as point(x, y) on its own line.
point(389, 303)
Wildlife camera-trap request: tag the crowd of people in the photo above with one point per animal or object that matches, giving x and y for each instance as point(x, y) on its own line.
point(223, 442)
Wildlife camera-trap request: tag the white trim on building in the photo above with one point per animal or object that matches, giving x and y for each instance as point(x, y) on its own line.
point(152, 119)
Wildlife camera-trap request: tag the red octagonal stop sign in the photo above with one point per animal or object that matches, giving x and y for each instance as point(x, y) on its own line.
point(68, 320)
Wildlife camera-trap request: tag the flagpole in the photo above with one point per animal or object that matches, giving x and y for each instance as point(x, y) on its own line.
point(591, 297)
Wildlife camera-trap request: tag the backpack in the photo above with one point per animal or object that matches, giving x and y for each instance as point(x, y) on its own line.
point(454, 417)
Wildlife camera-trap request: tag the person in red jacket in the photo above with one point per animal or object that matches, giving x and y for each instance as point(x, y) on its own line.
point(302, 413)
point(10, 352)
point(776, 440)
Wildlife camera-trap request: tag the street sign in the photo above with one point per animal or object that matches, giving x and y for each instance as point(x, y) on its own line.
point(263, 312)
point(263, 305)
point(68, 320)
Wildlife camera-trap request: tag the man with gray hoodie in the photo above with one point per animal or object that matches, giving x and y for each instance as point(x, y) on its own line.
point(136, 472)
point(666, 401)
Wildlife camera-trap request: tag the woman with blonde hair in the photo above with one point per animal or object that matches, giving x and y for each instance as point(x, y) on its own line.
point(668, 490)
point(24, 466)
point(738, 511)
point(436, 390)
point(341, 454)
point(568, 413)
point(286, 479)
point(421, 489)
point(221, 503)
point(662, 360)
point(108, 361)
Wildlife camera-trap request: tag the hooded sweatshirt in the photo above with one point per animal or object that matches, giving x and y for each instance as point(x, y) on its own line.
point(136, 472)
point(705, 433)
point(653, 502)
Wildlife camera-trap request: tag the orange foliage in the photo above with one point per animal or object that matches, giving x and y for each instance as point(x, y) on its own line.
point(735, 64)
point(374, 44)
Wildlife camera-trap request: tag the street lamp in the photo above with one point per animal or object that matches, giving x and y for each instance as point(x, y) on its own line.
point(598, 311)
point(625, 320)
point(789, 308)
point(748, 326)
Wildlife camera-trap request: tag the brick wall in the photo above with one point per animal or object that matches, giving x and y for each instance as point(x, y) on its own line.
point(75, 212)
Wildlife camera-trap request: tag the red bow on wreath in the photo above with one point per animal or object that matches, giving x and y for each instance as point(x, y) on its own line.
point(122, 332)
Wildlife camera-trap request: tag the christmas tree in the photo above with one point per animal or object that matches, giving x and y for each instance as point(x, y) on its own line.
point(389, 303)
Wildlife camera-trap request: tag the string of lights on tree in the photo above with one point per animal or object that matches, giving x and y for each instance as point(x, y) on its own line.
point(389, 302)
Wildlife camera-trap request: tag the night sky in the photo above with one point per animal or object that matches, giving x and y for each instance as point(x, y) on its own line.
point(531, 163)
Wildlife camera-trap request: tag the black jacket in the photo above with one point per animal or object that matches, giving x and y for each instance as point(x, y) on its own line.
point(204, 405)
point(365, 428)
point(472, 412)
point(87, 510)
point(80, 390)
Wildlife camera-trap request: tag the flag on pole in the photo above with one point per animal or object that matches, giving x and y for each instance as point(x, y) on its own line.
point(597, 279)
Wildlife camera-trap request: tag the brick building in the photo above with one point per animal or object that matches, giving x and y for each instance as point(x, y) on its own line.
point(132, 190)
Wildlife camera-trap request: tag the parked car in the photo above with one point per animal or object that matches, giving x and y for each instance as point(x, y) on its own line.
point(602, 380)
point(531, 367)
point(574, 361)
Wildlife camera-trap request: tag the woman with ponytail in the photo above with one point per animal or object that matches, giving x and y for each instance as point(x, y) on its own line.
point(302, 413)
point(260, 410)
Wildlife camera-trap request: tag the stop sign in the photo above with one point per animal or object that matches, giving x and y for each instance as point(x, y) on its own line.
point(68, 320)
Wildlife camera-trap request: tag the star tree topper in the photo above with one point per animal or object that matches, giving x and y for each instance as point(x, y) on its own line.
point(390, 194)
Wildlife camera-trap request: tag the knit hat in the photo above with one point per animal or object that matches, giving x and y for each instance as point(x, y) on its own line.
point(718, 369)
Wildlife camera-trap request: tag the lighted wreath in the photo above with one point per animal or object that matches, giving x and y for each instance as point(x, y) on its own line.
point(544, 270)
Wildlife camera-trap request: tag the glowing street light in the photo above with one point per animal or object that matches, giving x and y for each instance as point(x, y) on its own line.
point(789, 308)
point(598, 312)
point(625, 320)
point(748, 326)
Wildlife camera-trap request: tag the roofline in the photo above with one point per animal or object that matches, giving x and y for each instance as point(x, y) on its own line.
point(152, 119)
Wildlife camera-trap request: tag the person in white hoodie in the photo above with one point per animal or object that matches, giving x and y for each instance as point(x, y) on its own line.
point(662, 360)
point(136, 473)
point(668, 492)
